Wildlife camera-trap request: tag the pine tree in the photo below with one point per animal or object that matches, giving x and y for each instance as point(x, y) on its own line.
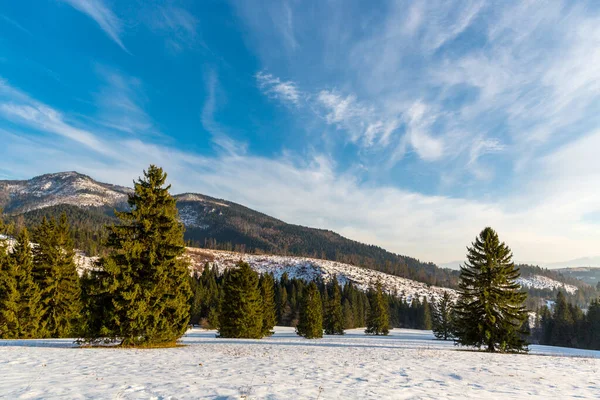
point(146, 277)
point(442, 317)
point(267, 292)
point(334, 316)
point(490, 310)
point(378, 317)
point(310, 323)
point(241, 314)
point(30, 309)
point(55, 273)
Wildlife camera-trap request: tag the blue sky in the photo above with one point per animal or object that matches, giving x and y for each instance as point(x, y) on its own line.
point(411, 125)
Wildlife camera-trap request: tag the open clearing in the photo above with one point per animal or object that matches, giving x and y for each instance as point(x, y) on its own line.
point(407, 364)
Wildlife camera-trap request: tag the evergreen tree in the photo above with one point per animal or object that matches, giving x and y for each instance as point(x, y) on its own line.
point(29, 308)
point(427, 324)
point(442, 318)
point(241, 314)
point(310, 323)
point(9, 295)
point(143, 285)
point(593, 325)
point(378, 318)
point(348, 315)
point(490, 310)
point(55, 273)
point(562, 333)
point(267, 292)
point(334, 316)
point(284, 309)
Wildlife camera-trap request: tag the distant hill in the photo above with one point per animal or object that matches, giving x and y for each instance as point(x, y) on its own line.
point(586, 262)
point(588, 275)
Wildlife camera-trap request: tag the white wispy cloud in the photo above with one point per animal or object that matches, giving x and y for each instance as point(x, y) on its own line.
point(104, 17)
point(276, 88)
point(219, 134)
point(18, 107)
point(120, 102)
point(15, 24)
point(177, 25)
point(273, 19)
point(419, 120)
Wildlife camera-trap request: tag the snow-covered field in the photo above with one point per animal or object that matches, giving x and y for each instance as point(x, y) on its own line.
point(407, 364)
point(311, 268)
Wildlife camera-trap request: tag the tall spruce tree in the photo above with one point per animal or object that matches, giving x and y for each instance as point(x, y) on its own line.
point(442, 312)
point(378, 320)
point(241, 314)
point(490, 310)
point(310, 322)
point(142, 288)
point(563, 332)
point(334, 316)
point(30, 309)
point(267, 292)
point(55, 273)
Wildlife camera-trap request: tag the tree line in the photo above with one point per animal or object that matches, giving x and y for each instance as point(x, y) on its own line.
point(567, 325)
point(344, 303)
point(236, 301)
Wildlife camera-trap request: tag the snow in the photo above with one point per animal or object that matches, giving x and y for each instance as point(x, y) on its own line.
point(543, 282)
point(188, 216)
point(64, 188)
point(199, 198)
point(311, 268)
point(406, 364)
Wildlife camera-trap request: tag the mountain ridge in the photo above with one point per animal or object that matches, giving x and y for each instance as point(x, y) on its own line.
point(210, 223)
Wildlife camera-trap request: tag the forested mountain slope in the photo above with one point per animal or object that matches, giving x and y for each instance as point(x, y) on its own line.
point(210, 222)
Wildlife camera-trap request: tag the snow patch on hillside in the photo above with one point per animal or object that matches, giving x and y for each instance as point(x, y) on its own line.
point(63, 188)
point(311, 268)
point(543, 282)
point(199, 198)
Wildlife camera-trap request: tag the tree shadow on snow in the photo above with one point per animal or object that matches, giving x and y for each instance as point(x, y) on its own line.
point(345, 341)
point(51, 343)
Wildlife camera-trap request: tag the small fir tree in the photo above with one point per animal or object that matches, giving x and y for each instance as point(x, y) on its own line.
point(378, 320)
point(55, 273)
point(334, 316)
point(310, 322)
point(142, 288)
point(442, 317)
point(267, 292)
point(241, 314)
point(490, 310)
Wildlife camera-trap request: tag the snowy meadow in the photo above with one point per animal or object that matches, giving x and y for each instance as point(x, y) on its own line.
point(407, 364)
